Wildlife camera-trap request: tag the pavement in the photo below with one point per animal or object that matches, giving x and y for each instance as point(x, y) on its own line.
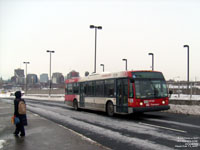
point(41, 134)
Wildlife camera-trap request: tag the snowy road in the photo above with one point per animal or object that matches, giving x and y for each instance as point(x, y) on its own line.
point(157, 130)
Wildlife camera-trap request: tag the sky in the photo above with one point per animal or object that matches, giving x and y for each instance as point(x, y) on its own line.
point(130, 29)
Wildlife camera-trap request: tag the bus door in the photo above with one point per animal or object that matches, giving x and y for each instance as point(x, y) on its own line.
point(82, 93)
point(122, 95)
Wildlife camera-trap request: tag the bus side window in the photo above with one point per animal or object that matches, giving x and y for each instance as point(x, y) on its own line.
point(90, 88)
point(99, 88)
point(69, 89)
point(131, 93)
point(109, 87)
point(66, 89)
point(75, 88)
point(85, 89)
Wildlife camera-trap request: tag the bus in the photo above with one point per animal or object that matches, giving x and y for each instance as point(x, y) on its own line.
point(123, 92)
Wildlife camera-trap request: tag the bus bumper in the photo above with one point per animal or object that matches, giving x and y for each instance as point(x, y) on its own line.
point(146, 109)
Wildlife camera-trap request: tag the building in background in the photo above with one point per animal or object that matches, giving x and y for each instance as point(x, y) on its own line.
point(19, 72)
point(57, 78)
point(32, 79)
point(18, 78)
point(72, 74)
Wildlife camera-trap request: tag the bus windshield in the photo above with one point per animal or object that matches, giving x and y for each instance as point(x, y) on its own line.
point(150, 88)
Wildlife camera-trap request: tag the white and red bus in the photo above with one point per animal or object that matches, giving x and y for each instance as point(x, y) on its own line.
point(122, 92)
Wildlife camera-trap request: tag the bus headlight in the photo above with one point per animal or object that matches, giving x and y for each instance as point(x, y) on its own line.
point(141, 103)
point(163, 102)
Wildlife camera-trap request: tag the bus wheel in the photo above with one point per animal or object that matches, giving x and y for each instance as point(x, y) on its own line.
point(110, 109)
point(75, 104)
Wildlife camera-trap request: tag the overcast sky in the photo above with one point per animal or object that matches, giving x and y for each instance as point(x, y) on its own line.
point(131, 29)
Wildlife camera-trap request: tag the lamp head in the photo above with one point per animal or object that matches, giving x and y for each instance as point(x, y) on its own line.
point(99, 27)
point(49, 51)
point(92, 26)
point(186, 46)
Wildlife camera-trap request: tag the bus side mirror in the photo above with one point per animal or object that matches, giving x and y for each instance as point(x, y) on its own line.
point(170, 93)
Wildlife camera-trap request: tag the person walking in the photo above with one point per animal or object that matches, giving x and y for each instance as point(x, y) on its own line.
point(20, 112)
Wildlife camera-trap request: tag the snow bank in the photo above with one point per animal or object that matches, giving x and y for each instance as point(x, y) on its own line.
point(2, 142)
point(53, 97)
point(184, 97)
point(185, 109)
point(5, 95)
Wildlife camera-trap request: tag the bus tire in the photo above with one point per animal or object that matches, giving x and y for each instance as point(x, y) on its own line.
point(75, 104)
point(110, 109)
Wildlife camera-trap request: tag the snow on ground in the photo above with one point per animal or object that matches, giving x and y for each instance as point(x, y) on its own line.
point(1, 143)
point(185, 109)
point(185, 97)
point(54, 97)
point(5, 95)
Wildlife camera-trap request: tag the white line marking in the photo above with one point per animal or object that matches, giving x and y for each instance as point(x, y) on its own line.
point(163, 127)
point(84, 137)
point(173, 122)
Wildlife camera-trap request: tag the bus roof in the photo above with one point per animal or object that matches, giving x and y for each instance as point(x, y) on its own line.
point(103, 76)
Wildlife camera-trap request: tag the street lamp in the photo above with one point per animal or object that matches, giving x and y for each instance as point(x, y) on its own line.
point(102, 66)
point(26, 74)
point(126, 63)
point(95, 27)
point(49, 51)
point(152, 60)
point(188, 65)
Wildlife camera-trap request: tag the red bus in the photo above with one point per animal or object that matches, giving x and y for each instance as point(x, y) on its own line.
point(122, 92)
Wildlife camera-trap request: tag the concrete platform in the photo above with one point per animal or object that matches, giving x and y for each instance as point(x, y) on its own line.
point(41, 134)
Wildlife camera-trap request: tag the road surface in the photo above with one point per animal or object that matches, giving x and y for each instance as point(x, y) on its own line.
point(155, 130)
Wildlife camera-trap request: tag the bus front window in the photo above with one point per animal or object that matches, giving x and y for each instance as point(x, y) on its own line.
point(150, 88)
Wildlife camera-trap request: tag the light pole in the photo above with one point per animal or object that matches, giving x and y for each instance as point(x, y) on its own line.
point(49, 51)
point(126, 63)
point(95, 55)
point(26, 74)
point(102, 66)
point(152, 60)
point(188, 67)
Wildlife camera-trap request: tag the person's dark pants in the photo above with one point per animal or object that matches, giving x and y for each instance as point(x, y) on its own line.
point(19, 128)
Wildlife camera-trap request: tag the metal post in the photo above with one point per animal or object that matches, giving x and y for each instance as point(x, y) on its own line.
point(95, 27)
point(95, 55)
point(152, 60)
point(50, 72)
point(26, 75)
point(188, 67)
point(102, 66)
point(191, 91)
point(50, 77)
point(26, 78)
point(125, 63)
